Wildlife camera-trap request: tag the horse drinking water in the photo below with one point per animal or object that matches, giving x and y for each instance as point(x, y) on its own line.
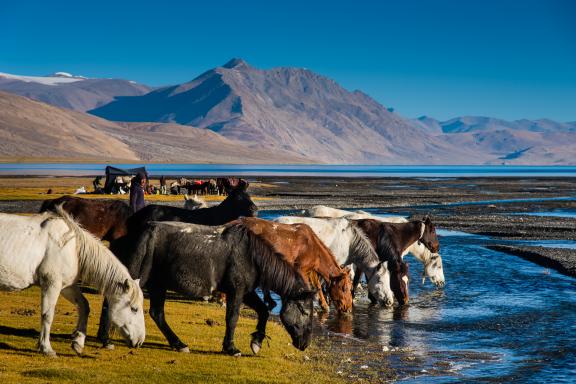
point(350, 246)
point(304, 250)
point(197, 260)
point(433, 268)
point(54, 252)
point(391, 241)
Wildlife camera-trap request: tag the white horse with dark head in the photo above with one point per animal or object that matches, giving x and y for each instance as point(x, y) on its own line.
point(54, 252)
point(433, 268)
point(349, 245)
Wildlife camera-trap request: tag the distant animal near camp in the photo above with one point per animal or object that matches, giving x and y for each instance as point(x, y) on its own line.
point(52, 251)
point(192, 202)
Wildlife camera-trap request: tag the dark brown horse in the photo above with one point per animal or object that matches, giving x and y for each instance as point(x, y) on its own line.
point(301, 248)
point(105, 219)
point(391, 240)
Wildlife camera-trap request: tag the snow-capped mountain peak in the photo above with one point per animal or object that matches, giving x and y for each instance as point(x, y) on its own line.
point(53, 79)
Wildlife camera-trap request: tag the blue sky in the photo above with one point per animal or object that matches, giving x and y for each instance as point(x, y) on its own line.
point(508, 58)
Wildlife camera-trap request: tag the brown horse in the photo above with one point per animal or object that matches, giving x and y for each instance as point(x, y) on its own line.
point(391, 240)
point(303, 249)
point(105, 219)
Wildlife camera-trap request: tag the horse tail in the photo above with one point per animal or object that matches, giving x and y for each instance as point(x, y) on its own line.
point(276, 274)
point(140, 258)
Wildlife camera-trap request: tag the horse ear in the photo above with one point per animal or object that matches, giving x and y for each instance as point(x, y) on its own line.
point(243, 184)
point(137, 281)
point(125, 286)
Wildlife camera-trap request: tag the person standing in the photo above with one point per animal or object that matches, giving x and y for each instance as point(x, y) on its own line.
point(163, 190)
point(137, 192)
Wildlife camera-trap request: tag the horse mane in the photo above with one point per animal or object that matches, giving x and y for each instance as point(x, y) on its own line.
point(275, 273)
point(384, 245)
point(98, 266)
point(361, 245)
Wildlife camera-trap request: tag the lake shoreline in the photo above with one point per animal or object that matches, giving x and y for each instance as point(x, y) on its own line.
point(468, 204)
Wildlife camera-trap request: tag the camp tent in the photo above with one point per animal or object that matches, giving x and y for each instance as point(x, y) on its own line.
point(113, 172)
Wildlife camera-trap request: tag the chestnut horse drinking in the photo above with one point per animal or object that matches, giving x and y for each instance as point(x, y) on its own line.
point(302, 248)
point(391, 240)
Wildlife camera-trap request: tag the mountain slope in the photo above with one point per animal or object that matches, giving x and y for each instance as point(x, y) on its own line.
point(514, 142)
point(287, 109)
point(34, 130)
point(72, 92)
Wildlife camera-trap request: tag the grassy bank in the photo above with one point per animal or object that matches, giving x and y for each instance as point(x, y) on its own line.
point(154, 362)
point(35, 188)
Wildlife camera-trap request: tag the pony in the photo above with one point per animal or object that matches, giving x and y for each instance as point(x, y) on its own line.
point(194, 202)
point(105, 219)
point(54, 252)
point(433, 266)
point(350, 246)
point(197, 260)
point(392, 239)
point(302, 249)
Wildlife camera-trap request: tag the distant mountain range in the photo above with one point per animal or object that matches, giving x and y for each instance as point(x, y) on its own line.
point(293, 115)
point(35, 130)
point(64, 90)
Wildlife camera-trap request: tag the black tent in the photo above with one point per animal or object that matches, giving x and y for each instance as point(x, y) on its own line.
point(113, 172)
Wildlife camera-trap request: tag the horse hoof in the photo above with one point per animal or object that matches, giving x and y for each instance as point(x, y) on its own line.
point(77, 348)
point(108, 346)
point(232, 352)
point(50, 354)
point(184, 350)
point(255, 347)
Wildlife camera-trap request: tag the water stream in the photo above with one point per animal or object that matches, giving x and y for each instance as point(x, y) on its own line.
point(499, 318)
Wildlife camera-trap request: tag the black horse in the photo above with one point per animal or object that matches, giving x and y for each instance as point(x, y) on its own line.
point(198, 260)
point(238, 203)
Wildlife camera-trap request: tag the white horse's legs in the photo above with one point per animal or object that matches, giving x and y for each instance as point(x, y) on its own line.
point(50, 295)
point(74, 295)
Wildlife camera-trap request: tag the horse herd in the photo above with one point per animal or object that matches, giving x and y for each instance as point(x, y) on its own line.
point(201, 252)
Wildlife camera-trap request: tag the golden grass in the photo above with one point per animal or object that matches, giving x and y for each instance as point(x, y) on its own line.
point(154, 362)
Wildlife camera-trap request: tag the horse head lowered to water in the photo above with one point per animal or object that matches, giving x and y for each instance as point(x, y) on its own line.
point(198, 260)
point(350, 246)
point(303, 249)
point(54, 252)
point(391, 240)
point(432, 261)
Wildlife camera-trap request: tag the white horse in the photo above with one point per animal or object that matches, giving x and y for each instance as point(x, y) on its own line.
point(351, 246)
point(194, 202)
point(432, 261)
point(54, 252)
